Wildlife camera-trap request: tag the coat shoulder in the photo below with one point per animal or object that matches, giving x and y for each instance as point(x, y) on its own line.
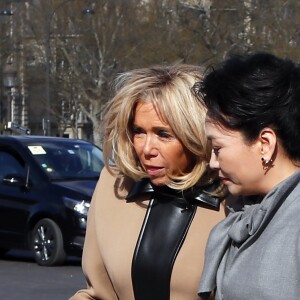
point(118, 184)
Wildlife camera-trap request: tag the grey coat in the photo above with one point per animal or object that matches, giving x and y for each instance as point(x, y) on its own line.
point(255, 253)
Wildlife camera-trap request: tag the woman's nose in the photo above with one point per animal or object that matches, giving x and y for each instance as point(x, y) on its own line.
point(214, 162)
point(150, 146)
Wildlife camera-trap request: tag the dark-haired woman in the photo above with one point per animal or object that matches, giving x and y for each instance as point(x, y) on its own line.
point(253, 122)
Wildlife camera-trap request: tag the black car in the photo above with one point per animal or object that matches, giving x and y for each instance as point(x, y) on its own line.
point(46, 185)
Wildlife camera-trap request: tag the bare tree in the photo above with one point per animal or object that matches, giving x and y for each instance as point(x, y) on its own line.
point(69, 59)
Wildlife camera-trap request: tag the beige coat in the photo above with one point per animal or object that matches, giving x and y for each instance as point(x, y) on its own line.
point(112, 231)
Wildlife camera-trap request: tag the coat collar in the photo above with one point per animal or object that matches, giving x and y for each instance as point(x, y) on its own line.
point(192, 196)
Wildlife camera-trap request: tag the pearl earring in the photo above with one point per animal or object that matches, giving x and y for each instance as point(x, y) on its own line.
point(266, 161)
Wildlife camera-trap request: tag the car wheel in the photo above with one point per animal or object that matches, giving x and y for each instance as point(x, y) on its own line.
point(47, 243)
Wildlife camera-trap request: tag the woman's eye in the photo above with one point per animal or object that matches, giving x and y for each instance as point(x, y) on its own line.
point(164, 134)
point(216, 151)
point(137, 130)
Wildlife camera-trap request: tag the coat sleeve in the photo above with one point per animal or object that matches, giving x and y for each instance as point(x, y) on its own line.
point(98, 282)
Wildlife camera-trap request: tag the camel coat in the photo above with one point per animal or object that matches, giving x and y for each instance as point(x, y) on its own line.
point(112, 231)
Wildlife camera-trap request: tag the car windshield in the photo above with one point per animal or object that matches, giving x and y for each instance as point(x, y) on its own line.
point(67, 160)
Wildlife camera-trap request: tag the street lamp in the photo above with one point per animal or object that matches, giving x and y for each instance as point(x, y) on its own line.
point(3, 14)
point(11, 59)
point(10, 81)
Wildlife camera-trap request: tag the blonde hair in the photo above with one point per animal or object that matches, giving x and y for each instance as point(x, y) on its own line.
point(169, 88)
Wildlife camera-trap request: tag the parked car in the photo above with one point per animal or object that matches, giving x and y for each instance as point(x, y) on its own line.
point(46, 184)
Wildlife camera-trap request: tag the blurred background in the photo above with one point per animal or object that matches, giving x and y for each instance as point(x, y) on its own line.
point(58, 58)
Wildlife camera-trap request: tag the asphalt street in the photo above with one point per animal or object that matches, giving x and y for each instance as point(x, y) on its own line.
point(22, 278)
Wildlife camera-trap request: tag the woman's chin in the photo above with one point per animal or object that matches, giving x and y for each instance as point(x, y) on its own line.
point(161, 181)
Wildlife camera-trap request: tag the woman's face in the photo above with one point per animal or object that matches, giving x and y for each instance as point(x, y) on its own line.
point(239, 163)
point(158, 149)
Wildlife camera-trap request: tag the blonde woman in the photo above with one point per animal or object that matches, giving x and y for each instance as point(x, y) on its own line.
point(152, 209)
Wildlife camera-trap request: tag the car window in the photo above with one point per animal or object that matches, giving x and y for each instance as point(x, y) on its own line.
point(67, 160)
point(10, 165)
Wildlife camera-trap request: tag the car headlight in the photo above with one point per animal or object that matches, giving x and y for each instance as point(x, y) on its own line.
point(81, 207)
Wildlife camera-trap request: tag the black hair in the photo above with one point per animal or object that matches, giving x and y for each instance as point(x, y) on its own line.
point(250, 92)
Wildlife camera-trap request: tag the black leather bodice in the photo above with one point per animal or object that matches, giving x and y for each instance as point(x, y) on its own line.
point(164, 229)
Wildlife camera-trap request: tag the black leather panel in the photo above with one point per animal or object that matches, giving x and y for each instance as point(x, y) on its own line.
point(165, 227)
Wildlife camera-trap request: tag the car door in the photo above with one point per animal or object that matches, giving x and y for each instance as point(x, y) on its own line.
point(15, 200)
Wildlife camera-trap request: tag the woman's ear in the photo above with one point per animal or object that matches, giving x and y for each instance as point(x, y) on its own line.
point(268, 141)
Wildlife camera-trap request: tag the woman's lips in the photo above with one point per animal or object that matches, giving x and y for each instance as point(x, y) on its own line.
point(153, 170)
point(225, 180)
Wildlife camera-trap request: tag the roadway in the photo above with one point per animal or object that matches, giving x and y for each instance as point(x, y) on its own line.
point(22, 278)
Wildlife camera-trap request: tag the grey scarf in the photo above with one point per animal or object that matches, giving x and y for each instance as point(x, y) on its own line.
point(239, 227)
